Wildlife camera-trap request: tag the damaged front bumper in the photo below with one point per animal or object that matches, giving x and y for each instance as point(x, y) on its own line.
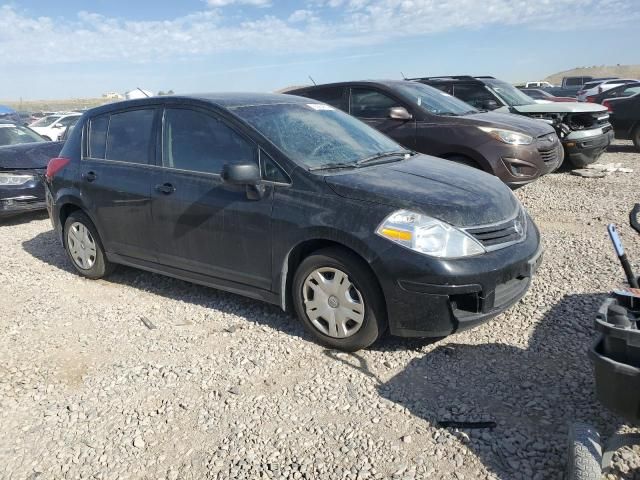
point(583, 147)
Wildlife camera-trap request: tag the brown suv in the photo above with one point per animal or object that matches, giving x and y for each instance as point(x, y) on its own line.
point(514, 148)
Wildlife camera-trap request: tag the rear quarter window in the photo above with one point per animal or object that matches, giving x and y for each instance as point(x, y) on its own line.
point(98, 127)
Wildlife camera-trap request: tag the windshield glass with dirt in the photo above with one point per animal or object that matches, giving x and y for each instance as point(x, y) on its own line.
point(11, 134)
point(317, 135)
point(509, 94)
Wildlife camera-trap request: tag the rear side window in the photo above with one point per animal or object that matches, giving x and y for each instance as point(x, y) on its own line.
point(572, 82)
point(199, 142)
point(98, 136)
point(333, 96)
point(129, 136)
point(367, 103)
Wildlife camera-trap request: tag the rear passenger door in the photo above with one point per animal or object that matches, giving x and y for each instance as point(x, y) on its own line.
point(117, 171)
point(201, 224)
point(372, 106)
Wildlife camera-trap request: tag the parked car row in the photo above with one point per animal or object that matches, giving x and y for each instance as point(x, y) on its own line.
point(52, 127)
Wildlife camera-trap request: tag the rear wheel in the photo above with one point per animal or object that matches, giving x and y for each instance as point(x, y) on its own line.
point(636, 137)
point(338, 300)
point(84, 247)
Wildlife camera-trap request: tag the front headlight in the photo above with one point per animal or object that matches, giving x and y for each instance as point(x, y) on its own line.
point(508, 136)
point(427, 235)
point(14, 179)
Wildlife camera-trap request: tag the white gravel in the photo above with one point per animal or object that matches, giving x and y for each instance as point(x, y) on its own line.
point(227, 387)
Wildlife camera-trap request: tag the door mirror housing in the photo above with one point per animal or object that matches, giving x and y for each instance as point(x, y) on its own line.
point(490, 105)
point(241, 174)
point(399, 113)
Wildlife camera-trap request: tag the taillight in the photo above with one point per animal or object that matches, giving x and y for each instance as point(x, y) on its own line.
point(607, 104)
point(591, 99)
point(55, 165)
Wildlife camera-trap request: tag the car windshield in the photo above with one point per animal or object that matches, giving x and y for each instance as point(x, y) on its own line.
point(508, 93)
point(46, 121)
point(433, 100)
point(317, 135)
point(11, 134)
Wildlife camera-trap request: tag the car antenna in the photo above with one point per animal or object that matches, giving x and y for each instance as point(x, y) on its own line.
point(404, 77)
point(311, 78)
point(145, 93)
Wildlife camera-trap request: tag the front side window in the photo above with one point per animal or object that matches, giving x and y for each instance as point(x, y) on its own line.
point(332, 96)
point(129, 136)
point(627, 92)
point(368, 103)
point(316, 135)
point(475, 95)
point(68, 121)
point(432, 100)
point(199, 142)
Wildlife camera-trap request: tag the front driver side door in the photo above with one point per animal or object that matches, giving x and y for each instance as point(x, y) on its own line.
point(372, 107)
point(201, 224)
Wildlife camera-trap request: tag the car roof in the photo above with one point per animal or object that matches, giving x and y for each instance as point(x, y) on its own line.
point(386, 83)
point(222, 100)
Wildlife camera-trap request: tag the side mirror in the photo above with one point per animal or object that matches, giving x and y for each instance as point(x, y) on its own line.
point(399, 113)
point(241, 174)
point(490, 105)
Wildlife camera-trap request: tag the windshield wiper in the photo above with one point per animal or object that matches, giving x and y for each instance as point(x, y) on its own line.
point(379, 156)
point(329, 166)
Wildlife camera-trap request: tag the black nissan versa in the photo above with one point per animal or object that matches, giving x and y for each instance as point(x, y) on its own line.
point(293, 202)
point(423, 118)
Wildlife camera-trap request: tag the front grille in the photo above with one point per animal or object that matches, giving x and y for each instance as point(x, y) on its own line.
point(500, 235)
point(548, 148)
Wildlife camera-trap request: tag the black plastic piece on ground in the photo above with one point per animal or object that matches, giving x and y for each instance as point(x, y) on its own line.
point(634, 217)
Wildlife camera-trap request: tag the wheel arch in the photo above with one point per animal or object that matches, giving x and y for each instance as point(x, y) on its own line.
point(66, 205)
point(307, 247)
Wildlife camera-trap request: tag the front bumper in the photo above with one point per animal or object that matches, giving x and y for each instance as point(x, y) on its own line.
point(429, 297)
point(584, 149)
point(22, 198)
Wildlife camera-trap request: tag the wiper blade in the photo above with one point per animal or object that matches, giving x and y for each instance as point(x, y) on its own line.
point(329, 166)
point(382, 155)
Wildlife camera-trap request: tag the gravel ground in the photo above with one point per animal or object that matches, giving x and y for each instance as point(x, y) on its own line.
point(227, 387)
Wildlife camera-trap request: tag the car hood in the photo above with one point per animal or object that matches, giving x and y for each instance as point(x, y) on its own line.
point(456, 194)
point(558, 107)
point(510, 121)
point(28, 155)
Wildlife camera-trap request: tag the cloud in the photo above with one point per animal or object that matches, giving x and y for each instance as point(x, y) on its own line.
point(323, 26)
point(224, 3)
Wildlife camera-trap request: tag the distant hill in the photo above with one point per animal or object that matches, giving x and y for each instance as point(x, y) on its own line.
point(622, 71)
point(55, 105)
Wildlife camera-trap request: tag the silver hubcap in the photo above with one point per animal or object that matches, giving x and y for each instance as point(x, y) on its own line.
point(82, 246)
point(333, 304)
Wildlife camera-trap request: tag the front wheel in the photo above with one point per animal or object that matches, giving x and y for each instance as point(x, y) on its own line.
point(338, 300)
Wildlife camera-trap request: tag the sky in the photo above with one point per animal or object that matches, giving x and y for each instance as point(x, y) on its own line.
point(75, 48)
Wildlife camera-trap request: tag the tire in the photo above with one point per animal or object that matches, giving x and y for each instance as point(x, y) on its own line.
point(358, 299)
point(635, 136)
point(585, 453)
point(84, 247)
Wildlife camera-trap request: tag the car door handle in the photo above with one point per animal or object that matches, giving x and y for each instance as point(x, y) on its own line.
point(90, 176)
point(166, 188)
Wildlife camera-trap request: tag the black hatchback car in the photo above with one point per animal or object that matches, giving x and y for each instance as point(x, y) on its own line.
point(296, 203)
point(518, 150)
